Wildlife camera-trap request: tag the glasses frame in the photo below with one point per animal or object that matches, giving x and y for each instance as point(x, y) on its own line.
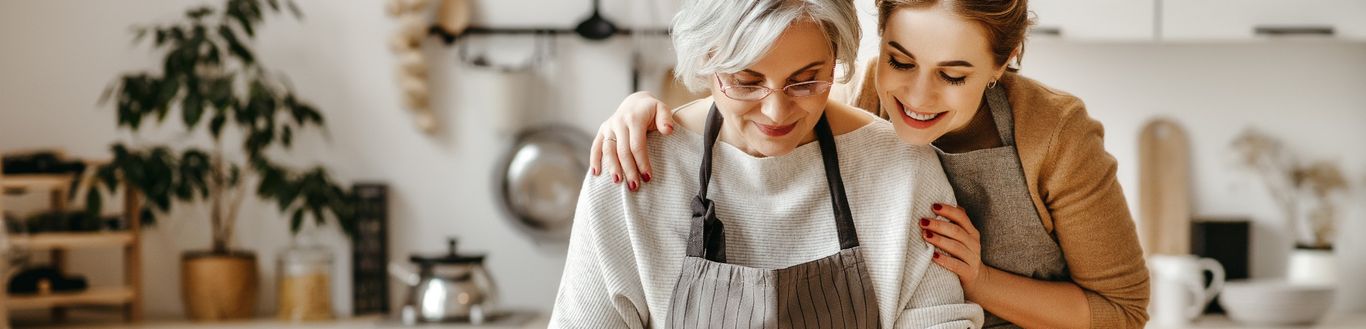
point(823, 86)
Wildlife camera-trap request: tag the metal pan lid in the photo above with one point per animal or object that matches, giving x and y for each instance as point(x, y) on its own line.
point(450, 257)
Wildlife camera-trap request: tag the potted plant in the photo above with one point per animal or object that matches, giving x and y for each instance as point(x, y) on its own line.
point(211, 80)
point(1308, 194)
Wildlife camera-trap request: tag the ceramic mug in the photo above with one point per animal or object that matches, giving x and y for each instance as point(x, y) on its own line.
point(1179, 293)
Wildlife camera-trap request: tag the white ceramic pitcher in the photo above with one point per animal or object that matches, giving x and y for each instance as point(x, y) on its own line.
point(1179, 293)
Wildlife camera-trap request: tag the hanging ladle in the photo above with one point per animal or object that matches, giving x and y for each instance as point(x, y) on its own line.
point(596, 27)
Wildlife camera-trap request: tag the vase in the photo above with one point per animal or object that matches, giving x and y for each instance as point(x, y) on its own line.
point(1312, 266)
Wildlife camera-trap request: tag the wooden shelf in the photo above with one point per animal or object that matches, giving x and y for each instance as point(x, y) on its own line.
point(127, 296)
point(92, 296)
point(40, 181)
point(43, 241)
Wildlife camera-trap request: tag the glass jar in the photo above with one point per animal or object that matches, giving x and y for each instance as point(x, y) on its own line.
point(305, 283)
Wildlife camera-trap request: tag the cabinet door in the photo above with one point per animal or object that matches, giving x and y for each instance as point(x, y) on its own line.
point(1095, 20)
point(1237, 20)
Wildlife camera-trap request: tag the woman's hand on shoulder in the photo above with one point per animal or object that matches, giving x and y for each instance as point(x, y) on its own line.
point(620, 144)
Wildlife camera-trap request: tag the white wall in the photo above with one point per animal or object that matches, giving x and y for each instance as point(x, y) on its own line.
point(58, 55)
point(1309, 94)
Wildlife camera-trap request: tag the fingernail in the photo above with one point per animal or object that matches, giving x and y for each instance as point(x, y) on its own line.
point(936, 255)
point(595, 171)
point(632, 186)
point(616, 178)
point(669, 126)
point(929, 234)
point(924, 222)
point(646, 177)
point(938, 207)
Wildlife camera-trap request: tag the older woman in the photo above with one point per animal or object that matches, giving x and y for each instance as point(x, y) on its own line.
point(751, 223)
point(1043, 237)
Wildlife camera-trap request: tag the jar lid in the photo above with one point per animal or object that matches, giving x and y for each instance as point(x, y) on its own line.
point(450, 257)
point(307, 254)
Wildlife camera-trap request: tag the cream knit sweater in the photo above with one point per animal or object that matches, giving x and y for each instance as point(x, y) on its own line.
point(627, 247)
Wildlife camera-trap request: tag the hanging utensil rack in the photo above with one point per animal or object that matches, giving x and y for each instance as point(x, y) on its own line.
point(595, 27)
point(450, 38)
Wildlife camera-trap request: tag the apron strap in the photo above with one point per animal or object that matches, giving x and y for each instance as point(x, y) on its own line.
point(844, 218)
point(704, 222)
point(706, 235)
point(1001, 113)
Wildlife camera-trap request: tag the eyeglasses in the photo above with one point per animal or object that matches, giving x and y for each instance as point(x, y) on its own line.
point(756, 93)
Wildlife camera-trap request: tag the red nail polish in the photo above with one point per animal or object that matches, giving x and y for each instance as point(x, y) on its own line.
point(632, 186)
point(937, 207)
point(646, 177)
point(616, 178)
point(595, 171)
point(936, 255)
point(929, 234)
point(924, 222)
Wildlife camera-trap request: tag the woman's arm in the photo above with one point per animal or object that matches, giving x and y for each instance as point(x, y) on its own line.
point(600, 287)
point(1092, 222)
point(1021, 300)
point(938, 299)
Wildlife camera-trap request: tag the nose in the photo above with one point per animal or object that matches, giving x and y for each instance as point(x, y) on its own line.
point(776, 107)
point(921, 93)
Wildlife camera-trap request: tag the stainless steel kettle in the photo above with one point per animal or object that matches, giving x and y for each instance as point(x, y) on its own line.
point(447, 288)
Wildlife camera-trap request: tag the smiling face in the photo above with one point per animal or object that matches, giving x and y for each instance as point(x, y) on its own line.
point(933, 68)
point(778, 123)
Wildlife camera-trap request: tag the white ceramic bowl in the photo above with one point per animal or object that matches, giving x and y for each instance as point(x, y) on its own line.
point(1275, 302)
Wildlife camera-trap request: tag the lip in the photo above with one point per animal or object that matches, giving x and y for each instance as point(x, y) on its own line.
point(913, 123)
point(775, 131)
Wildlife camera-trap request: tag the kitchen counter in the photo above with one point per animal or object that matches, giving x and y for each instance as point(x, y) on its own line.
point(1332, 321)
point(369, 322)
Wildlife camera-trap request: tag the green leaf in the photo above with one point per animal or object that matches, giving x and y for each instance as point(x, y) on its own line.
point(94, 203)
point(296, 221)
point(287, 137)
point(294, 9)
point(199, 12)
point(192, 109)
point(317, 212)
point(245, 23)
point(108, 174)
point(216, 124)
point(139, 33)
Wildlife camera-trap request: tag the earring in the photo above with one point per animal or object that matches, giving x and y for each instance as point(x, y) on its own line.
point(991, 84)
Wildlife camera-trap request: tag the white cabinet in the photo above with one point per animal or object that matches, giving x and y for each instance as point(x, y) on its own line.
point(1095, 20)
point(1237, 20)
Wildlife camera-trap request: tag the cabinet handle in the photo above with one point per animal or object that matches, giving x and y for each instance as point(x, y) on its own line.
point(1051, 31)
point(1293, 30)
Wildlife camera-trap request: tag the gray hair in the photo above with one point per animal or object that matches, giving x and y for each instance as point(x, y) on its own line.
point(723, 36)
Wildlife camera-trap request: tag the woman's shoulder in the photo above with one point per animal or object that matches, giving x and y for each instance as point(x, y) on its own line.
point(1045, 116)
point(845, 118)
point(692, 116)
point(1035, 102)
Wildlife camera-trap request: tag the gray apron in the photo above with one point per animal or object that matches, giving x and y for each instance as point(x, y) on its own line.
point(990, 185)
point(831, 292)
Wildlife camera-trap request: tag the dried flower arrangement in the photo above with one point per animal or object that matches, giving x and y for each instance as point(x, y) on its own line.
point(1296, 186)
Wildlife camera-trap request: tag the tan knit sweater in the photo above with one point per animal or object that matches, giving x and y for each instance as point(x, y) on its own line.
point(1072, 182)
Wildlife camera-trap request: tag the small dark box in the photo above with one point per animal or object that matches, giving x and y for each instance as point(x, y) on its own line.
point(1226, 240)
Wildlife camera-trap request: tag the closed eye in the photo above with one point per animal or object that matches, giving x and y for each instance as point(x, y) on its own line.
point(899, 65)
point(957, 81)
